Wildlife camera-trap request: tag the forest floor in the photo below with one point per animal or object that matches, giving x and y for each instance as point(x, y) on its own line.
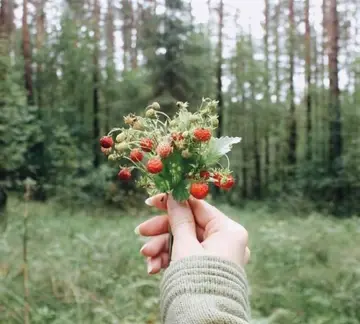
point(85, 267)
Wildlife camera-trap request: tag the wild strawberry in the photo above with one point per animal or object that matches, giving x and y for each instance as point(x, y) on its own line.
point(228, 182)
point(120, 147)
point(120, 137)
point(150, 113)
point(177, 136)
point(154, 165)
point(164, 150)
point(155, 105)
point(217, 177)
point(205, 174)
point(136, 155)
point(106, 151)
point(138, 125)
point(146, 144)
point(186, 154)
point(199, 190)
point(202, 134)
point(124, 174)
point(106, 141)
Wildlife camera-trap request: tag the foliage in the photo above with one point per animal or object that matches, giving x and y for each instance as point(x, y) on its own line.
point(91, 270)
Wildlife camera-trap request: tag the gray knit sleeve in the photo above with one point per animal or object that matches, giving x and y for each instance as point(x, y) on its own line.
point(204, 290)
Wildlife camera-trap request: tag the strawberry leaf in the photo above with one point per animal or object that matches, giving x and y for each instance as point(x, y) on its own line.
point(224, 144)
point(181, 192)
point(218, 147)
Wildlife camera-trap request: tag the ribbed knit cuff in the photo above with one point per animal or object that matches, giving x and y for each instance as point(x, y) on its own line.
point(208, 275)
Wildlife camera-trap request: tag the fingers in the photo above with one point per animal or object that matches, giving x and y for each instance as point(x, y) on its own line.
point(181, 218)
point(158, 201)
point(204, 212)
point(247, 255)
point(156, 245)
point(154, 226)
point(155, 264)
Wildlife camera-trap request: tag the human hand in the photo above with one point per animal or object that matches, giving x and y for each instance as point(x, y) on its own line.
point(198, 229)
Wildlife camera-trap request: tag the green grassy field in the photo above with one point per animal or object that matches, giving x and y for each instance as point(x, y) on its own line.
point(85, 267)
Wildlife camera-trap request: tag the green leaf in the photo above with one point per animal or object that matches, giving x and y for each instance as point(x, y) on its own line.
point(224, 144)
point(181, 192)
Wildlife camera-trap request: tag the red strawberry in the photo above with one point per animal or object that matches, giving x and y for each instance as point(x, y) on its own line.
point(106, 141)
point(176, 136)
point(124, 174)
point(136, 155)
point(228, 183)
point(205, 174)
point(146, 144)
point(164, 150)
point(199, 190)
point(202, 134)
point(217, 177)
point(154, 165)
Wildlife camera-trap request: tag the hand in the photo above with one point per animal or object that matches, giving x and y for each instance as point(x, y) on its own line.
point(198, 229)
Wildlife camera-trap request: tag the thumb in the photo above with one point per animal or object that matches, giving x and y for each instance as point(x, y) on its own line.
point(183, 228)
point(181, 218)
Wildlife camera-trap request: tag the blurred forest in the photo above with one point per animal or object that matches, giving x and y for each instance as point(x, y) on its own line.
point(69, 71)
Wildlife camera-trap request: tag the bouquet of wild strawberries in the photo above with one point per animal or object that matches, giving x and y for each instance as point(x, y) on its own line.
point(178, 156)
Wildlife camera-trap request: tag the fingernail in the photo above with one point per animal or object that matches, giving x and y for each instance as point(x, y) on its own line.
point(143, 248)
point(149, 202)
point(149, 266)
point(137, 230)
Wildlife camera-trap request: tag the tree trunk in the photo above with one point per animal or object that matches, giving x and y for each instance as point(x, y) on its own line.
point(257, 192)
point(292, 141)
point(308, 83)
point(40, 34)
point(27, 56)
point(322, 121)
point(96, 80)
point(4, 35)
point(267, 94)
point(335, 143)
point(110, 65)
point(219, 94)
point(278, 153)
point(134, 28)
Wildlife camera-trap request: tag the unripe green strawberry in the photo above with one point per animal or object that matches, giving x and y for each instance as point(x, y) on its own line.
point(155, 105)
point(154, 165)
point(185, 134)
point(150, 113)
point(106, 141)
point(112, 157)
point(194, 118)
point(202, 134)
point(215, 121)
point(136, 155)
point(121, 147)
point(199, 190)
point(186, 154)
point(120, 137)
point(164, 150)
point(138, 125)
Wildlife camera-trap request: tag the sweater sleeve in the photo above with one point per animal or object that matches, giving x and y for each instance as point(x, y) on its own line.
point(204, 290)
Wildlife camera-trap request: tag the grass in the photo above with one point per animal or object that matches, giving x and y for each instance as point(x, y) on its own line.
point(85, 267)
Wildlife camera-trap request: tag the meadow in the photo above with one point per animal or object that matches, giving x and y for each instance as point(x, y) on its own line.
point(85, 267)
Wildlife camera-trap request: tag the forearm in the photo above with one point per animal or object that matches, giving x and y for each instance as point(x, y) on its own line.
point(204, 289)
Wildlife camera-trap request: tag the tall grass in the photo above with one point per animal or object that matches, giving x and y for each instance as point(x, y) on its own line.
point(84, 267)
